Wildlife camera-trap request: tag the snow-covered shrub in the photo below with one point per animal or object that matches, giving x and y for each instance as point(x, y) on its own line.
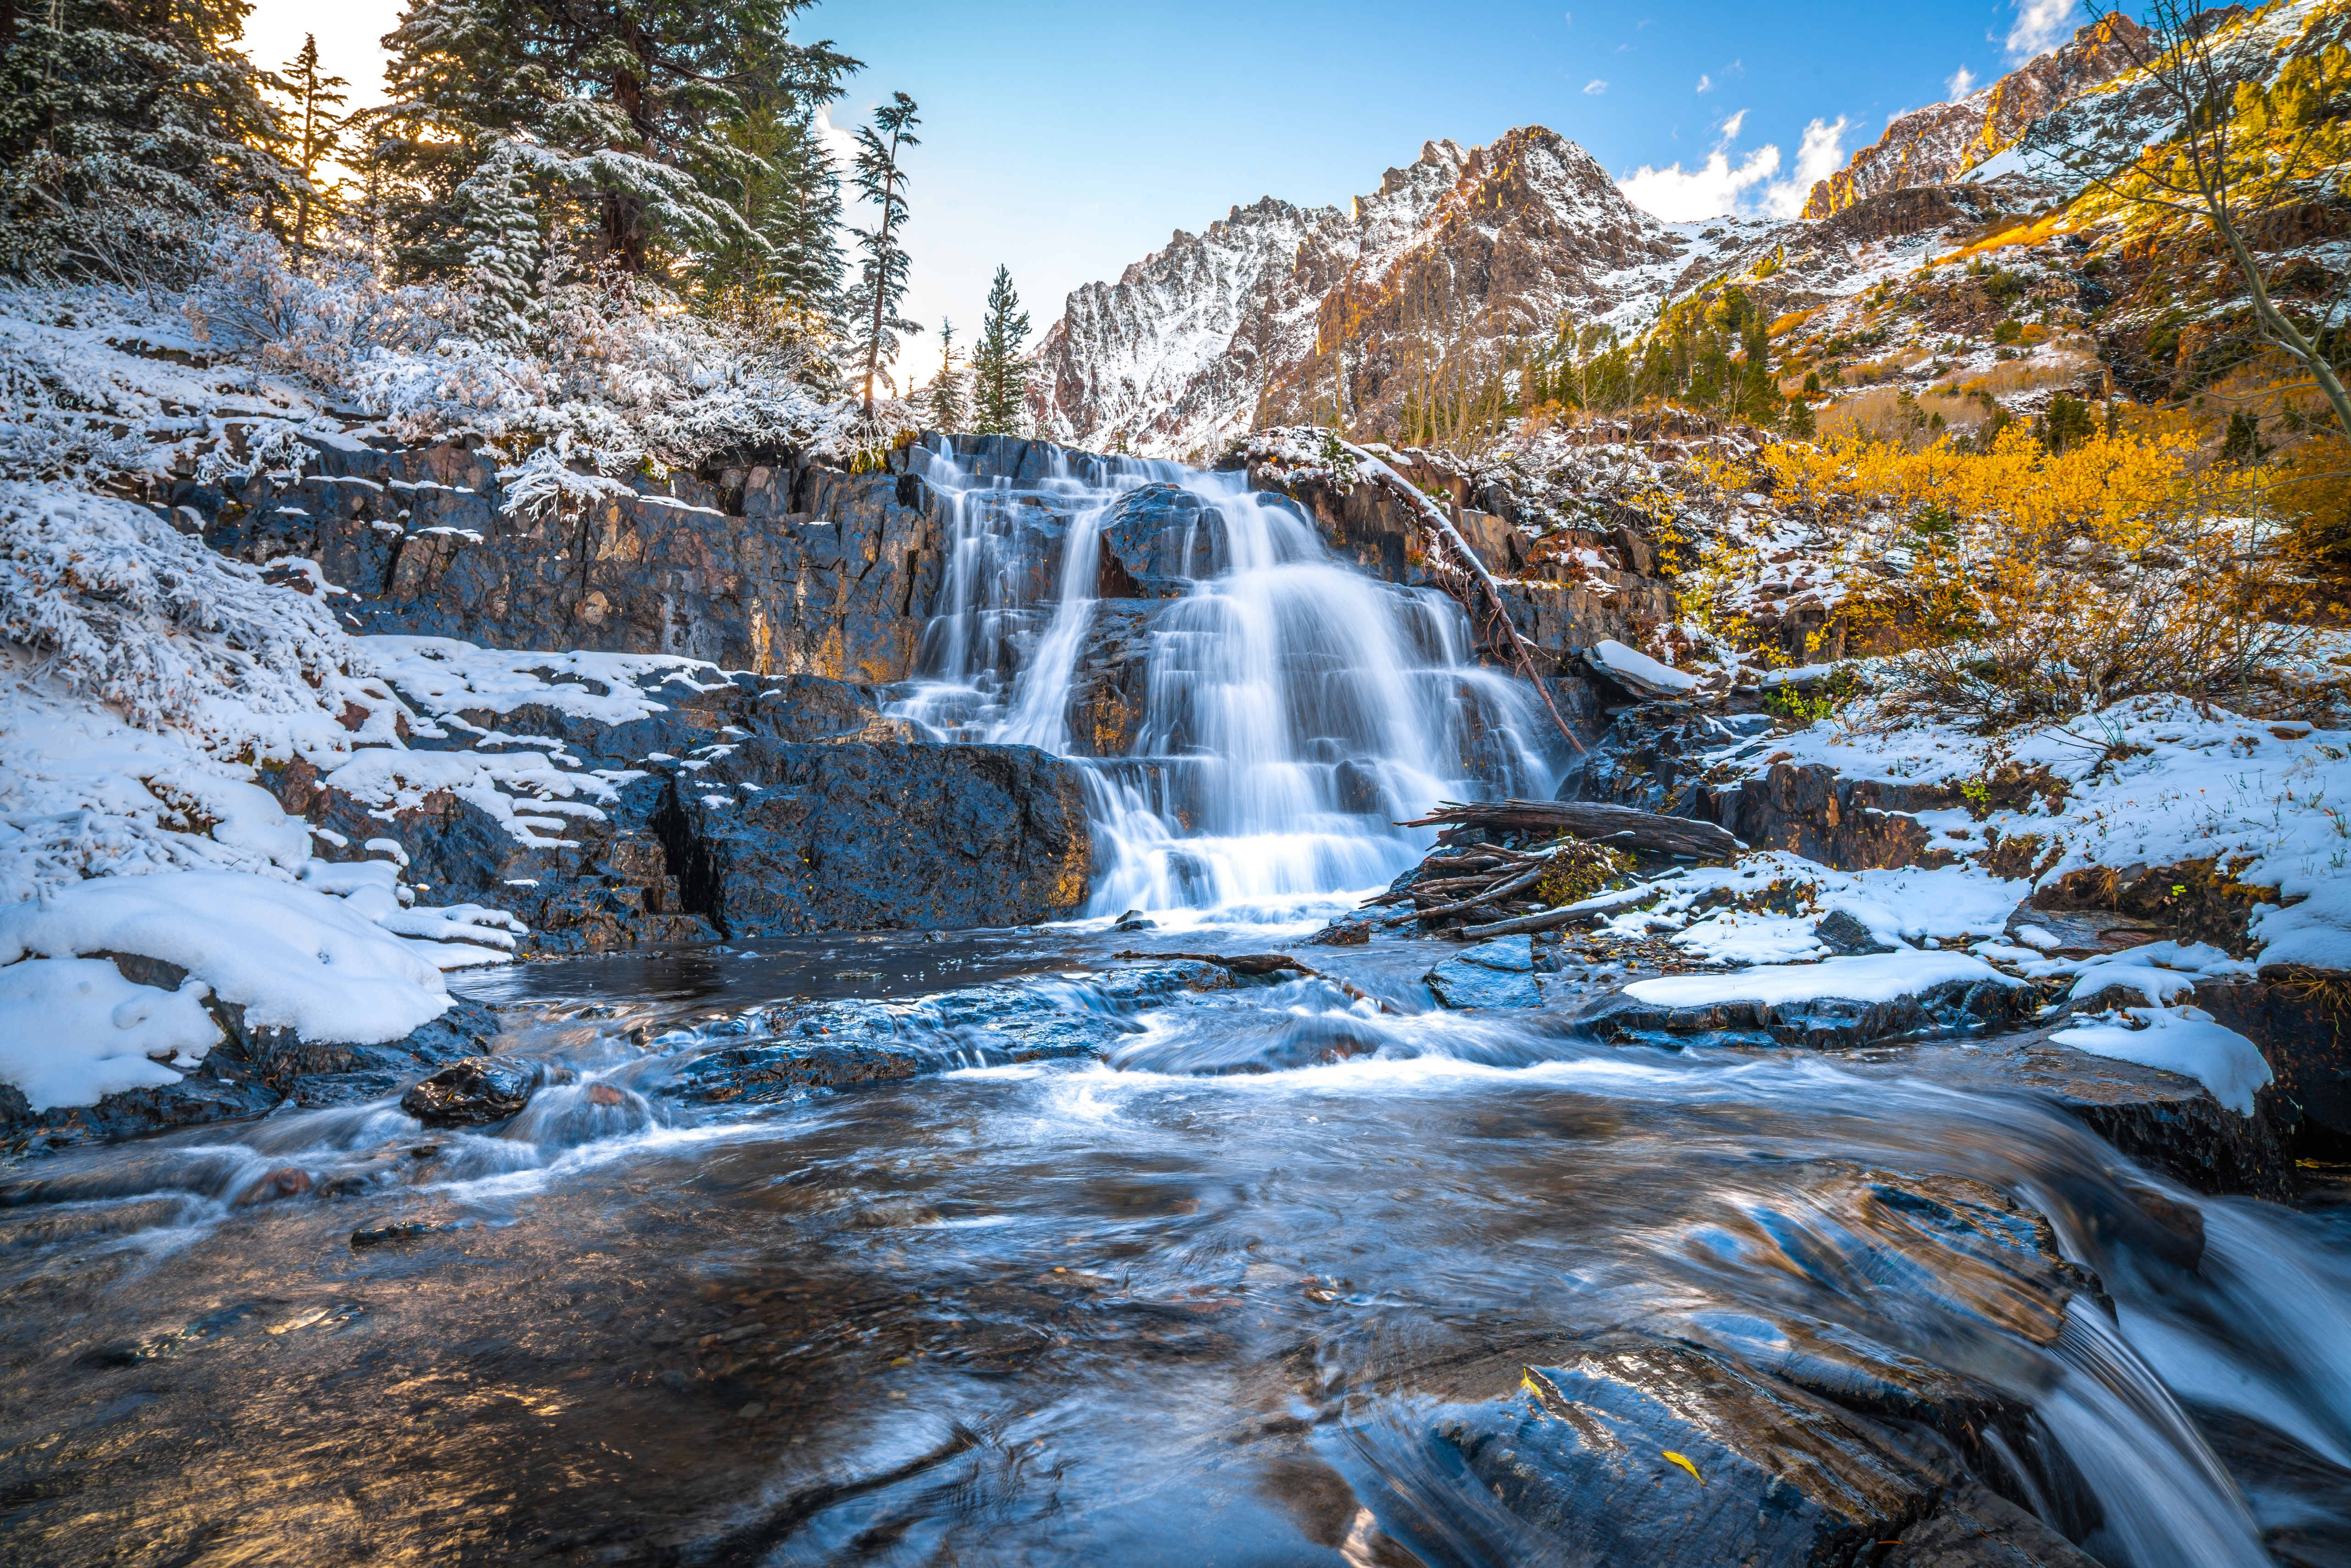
point(154, 625)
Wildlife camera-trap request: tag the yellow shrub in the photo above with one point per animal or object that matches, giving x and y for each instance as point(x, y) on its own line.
point(2023, 583)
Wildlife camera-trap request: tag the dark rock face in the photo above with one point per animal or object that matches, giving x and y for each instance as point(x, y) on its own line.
point(2297, 1018)
point(774, 838)
point(772, 566)
point(474, 1091)
point(1157, 537)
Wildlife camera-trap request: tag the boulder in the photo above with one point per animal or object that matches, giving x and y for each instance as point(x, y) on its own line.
point(1496, 973)
point(773, 838)
point(474, 1091)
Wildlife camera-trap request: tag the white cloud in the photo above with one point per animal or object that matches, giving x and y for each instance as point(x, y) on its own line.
point(1961, 83)
point(1711, 190)
point(2039, 24)
point(1730, 127)
point(1569, 17)
point(1819, 155)
point(1596, 86)
point(1705, 83)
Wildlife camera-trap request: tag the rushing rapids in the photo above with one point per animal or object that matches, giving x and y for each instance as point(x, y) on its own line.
point(992, 1248)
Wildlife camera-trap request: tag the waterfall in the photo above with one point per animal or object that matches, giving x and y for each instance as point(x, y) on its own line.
point(1292, 707)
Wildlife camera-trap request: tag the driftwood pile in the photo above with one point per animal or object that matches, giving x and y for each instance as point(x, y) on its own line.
point(1537, 888)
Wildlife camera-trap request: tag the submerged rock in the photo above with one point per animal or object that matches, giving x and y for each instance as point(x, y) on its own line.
point(1830, 1006)
point(1496, 973)
point(1640, 1451)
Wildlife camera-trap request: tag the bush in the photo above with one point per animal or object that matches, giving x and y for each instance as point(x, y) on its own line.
point(2033, 583)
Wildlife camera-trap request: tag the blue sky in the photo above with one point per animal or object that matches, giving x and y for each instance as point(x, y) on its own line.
point(1066, 141)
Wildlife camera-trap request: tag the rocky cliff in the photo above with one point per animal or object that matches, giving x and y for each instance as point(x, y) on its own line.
point(1939, 144)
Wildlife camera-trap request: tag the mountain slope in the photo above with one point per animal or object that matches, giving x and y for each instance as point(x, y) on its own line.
point(1943, 141)
point(1278, 311)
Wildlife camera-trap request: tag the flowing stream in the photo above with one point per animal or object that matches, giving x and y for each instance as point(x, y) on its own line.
point(1240, 1284)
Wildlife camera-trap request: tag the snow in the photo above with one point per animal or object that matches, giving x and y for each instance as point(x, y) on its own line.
point(291, 957)
point(1906, 904)
point(1638, 668)
point(1873, 978)
point(2151, 781)
point(73, 1030)
point(2186, 1040)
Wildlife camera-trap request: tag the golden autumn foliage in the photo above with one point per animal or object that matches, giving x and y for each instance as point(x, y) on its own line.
point(2022, 582)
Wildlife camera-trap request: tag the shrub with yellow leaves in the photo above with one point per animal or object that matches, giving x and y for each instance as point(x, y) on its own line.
point(2022, 584)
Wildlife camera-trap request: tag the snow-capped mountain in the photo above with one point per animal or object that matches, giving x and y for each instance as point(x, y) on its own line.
point(1278, 309)
point(1943, 141)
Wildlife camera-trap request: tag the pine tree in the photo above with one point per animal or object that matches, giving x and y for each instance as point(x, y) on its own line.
point(1000, 375)
point(504, 244)
point(623, 111)
point(946, 400)
point(783, 273)
point(124, 132)
point(318, 132)
point(881, 277)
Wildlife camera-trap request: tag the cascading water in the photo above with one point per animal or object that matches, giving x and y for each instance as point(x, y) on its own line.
point(1293, 708)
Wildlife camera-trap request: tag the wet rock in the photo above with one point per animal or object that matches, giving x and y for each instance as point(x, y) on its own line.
point(1158, 537)
point(400, 1231)
point(2301, 1020)
point(1135, 920)
point(1842, 934)
point(1644, 1452)
point(1342, 934)
point(1821, 1023)
point(1497, 974)
point(2168, 1122)
point(773, 838)
point(756, 1074)
point(474, 1091)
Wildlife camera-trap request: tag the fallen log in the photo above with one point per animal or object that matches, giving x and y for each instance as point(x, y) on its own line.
point(1525, 879)
point(1567, 914)
point(1621, 827)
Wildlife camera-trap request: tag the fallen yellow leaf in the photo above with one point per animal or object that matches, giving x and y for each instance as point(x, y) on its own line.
point(1684, 1464)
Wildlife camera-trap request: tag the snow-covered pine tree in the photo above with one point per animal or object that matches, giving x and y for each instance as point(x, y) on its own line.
point(882, 275)
point(317, 133)
point(124, 132)
point(944, 404)
point(999, 376)
point(621, 107)
point(504, 244)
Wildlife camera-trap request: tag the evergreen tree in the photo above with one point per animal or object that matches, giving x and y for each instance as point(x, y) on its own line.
point(317, 133)
point(622, 111)
point(1000, 375)
point(504, 244)
point(124, 131)
point(947, 401)
point(882, 275)
point(783, 273)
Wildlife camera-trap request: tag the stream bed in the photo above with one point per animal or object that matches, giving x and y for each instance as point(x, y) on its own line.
point(1221, 1274)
